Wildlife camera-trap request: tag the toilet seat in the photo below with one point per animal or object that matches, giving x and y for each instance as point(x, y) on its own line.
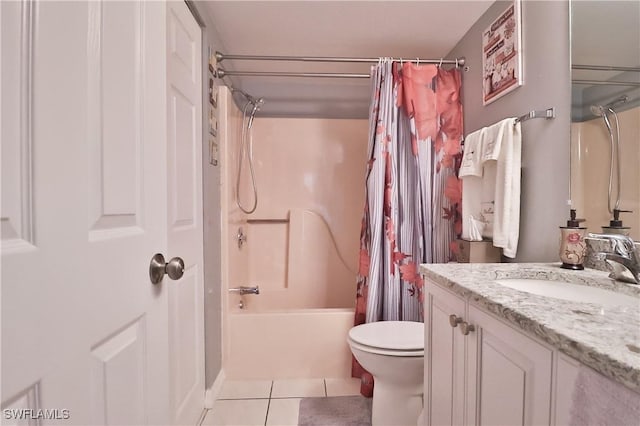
point(393, 338)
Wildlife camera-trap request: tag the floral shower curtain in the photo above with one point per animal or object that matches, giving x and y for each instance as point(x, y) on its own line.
point(413, 196)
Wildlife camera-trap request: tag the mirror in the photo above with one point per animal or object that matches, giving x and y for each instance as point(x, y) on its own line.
point(605, 78)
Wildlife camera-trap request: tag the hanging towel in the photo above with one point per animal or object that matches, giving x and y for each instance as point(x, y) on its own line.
point(598, 400)
point(471, 156)
point(470, 173)
point(502, 142)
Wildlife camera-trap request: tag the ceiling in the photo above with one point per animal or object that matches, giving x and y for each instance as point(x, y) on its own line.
point(409, 29)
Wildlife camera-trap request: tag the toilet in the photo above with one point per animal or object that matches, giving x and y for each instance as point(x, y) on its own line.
point(393, 352)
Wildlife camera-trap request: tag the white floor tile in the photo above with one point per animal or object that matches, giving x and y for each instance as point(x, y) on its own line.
point(343, 387)
point(250, 389)
point(283, 412)
point(298, 388)
point(245, 412)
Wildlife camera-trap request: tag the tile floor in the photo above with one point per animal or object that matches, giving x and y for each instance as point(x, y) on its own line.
point(271, 402)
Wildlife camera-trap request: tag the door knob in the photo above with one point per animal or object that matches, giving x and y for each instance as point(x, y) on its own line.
point(157, 268)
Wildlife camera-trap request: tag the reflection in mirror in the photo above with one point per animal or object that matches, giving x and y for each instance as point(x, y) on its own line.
point(605, 129)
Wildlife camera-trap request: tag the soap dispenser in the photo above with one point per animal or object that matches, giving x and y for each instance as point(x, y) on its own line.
point(573, 248)
point(615, 225)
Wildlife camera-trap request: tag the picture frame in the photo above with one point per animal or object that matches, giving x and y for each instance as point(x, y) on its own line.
point(213, 94)
point(212, 61)
point(502, 59)
point(213, 150)
point(213, 122)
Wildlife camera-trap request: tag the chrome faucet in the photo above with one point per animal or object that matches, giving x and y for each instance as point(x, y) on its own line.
point(245, 290)
point(624, 253)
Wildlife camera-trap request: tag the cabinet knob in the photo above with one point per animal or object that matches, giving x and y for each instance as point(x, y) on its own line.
point(454, 320)
point(466, 328)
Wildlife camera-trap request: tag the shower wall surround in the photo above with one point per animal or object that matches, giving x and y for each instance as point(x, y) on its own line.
point(303, 237)
point(590, 171)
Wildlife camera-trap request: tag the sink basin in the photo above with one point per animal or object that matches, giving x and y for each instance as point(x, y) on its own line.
point(568, 291)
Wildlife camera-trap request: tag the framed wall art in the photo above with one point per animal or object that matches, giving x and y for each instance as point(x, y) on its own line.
point(502, 54)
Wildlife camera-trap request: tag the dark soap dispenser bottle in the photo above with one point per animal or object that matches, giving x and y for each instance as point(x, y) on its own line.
point(573, 247)
point(615, 224)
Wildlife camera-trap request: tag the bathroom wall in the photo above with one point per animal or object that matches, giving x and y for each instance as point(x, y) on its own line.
point(303, 238)
point(590, 171)
point(546, 143)
point(234, 260)
point(211, 211)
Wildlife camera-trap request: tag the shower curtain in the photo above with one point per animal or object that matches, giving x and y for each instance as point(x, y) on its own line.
point(413, 202)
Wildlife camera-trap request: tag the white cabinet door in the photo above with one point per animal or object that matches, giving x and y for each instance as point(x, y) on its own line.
point(184, 212)
point(510, 373)
point(444, 369)
point(84, 331)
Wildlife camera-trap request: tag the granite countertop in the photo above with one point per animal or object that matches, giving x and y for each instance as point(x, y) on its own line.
point(606, 338)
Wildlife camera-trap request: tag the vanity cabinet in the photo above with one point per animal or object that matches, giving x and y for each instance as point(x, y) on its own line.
point(479, 370)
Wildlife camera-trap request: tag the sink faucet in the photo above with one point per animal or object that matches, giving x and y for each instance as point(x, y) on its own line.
point(624, 253)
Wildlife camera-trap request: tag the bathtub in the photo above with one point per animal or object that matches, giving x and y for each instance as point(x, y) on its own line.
point(288, 344)
point(301, 247)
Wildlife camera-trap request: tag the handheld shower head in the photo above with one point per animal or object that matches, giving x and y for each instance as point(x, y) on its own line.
point(600, 111)
point(257, 103)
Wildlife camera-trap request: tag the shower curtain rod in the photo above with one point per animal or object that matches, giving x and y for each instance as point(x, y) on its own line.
point(604, 68)
point(458, 62)
point(221, 73)
point(607, 82)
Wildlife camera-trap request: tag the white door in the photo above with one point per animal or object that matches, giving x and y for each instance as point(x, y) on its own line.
point(184, 198)
point(85, 335)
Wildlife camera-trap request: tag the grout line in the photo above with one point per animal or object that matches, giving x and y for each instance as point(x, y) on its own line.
point(325, 387)
point(266, 417)
point(241, 398)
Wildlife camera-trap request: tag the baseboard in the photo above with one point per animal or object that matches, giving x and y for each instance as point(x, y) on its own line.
point(211, 394)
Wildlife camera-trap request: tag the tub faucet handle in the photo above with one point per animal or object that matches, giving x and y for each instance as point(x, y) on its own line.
point(245, 290)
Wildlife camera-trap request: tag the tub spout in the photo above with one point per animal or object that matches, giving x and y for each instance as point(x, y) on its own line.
point(245, 290)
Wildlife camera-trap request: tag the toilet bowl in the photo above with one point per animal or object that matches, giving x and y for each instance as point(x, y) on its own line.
point(393, 352)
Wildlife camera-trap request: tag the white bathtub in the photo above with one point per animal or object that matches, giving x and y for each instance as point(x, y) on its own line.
point(307, 343)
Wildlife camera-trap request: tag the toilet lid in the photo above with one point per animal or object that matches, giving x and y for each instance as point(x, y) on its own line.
point(397, 335)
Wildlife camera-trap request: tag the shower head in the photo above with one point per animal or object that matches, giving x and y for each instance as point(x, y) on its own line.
point(598, 110)
point(257, 103)
point(602, 111)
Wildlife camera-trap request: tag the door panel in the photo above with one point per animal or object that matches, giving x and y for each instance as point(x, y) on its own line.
point(82, 326)
point(118, 377)
point(184, 198)
point(114, 117)
point(511, 371)
point(16, 217)
point(444, 377)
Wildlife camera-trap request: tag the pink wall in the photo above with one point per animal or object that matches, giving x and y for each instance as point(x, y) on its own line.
point(310, 175)
point(303, 239)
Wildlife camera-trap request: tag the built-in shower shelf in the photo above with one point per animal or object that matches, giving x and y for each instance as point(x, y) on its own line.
point(265, 221)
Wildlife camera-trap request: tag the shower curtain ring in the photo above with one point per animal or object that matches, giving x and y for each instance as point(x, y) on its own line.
point(456, 62)
point(440, 64)
point(417, 61)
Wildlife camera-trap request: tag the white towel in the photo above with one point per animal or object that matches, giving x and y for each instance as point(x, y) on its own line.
point(497, 183)
point(502, 142)
point(471, 156)
point(470, 173)
point(598, 400)
point(492, 142)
